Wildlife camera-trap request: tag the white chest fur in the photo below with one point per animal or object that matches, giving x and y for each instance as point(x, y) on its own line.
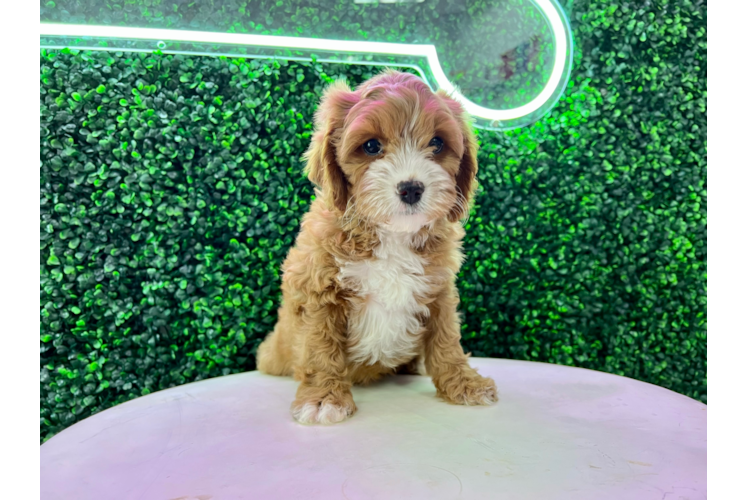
point(386, 328)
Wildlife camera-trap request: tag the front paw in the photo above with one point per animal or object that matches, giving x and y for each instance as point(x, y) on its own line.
point(472, 392)
point(330, 409)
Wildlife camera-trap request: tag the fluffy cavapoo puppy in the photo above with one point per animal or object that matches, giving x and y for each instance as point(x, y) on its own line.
point(369, 288)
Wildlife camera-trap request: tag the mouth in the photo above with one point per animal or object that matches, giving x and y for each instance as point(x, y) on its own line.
point(409, 221)
point(408, 210)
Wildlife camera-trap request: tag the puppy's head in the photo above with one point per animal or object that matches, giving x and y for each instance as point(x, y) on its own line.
point(393, 153)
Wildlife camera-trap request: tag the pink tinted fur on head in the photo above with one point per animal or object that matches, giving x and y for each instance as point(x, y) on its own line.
point(454, 106)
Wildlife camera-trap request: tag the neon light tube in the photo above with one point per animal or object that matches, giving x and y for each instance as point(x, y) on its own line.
point(424, 52)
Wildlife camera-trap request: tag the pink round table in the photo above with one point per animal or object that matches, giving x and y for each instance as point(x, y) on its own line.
point(556, 433)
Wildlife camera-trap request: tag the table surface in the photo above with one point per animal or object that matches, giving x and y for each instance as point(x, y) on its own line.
point(556, 433)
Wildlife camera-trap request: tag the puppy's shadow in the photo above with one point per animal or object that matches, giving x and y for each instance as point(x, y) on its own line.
point(409, 379)
point(399, 380)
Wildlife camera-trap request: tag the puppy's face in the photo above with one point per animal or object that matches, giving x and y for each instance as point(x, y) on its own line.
point(393, 153)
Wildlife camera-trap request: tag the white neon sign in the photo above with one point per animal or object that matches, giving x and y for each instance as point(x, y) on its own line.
point(348, 46)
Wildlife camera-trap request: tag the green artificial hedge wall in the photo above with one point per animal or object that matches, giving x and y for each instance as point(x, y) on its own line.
point(172, 188)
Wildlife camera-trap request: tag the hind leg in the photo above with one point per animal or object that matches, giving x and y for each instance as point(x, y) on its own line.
point(275, 355)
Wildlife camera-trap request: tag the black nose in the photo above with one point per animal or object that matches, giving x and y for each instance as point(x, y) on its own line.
point(410, 191)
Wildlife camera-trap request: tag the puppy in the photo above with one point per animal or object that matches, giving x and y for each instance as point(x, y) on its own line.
point(369, 288)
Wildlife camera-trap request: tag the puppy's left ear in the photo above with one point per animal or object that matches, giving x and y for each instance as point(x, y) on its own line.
point(465, 178)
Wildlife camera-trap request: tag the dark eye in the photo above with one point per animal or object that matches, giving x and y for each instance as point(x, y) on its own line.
point(438, 144)
point(372, 147)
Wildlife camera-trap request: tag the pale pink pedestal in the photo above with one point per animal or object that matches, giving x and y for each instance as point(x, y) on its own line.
point(556, 433)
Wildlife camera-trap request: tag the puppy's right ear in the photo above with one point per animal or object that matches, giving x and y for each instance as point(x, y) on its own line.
point(322, 166)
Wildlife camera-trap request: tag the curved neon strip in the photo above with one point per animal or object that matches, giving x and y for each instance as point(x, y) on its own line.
point(349, 46)
point(559, 38)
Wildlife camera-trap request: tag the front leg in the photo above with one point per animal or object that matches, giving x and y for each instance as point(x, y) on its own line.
point(455, 380)
point(324, 395)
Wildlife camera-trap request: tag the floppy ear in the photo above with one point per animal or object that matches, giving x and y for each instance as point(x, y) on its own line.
point(466, 175)
point(322, 165)
point(465, 178)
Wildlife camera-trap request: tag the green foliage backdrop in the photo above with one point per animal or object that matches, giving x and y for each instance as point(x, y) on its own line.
point(171, 190)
